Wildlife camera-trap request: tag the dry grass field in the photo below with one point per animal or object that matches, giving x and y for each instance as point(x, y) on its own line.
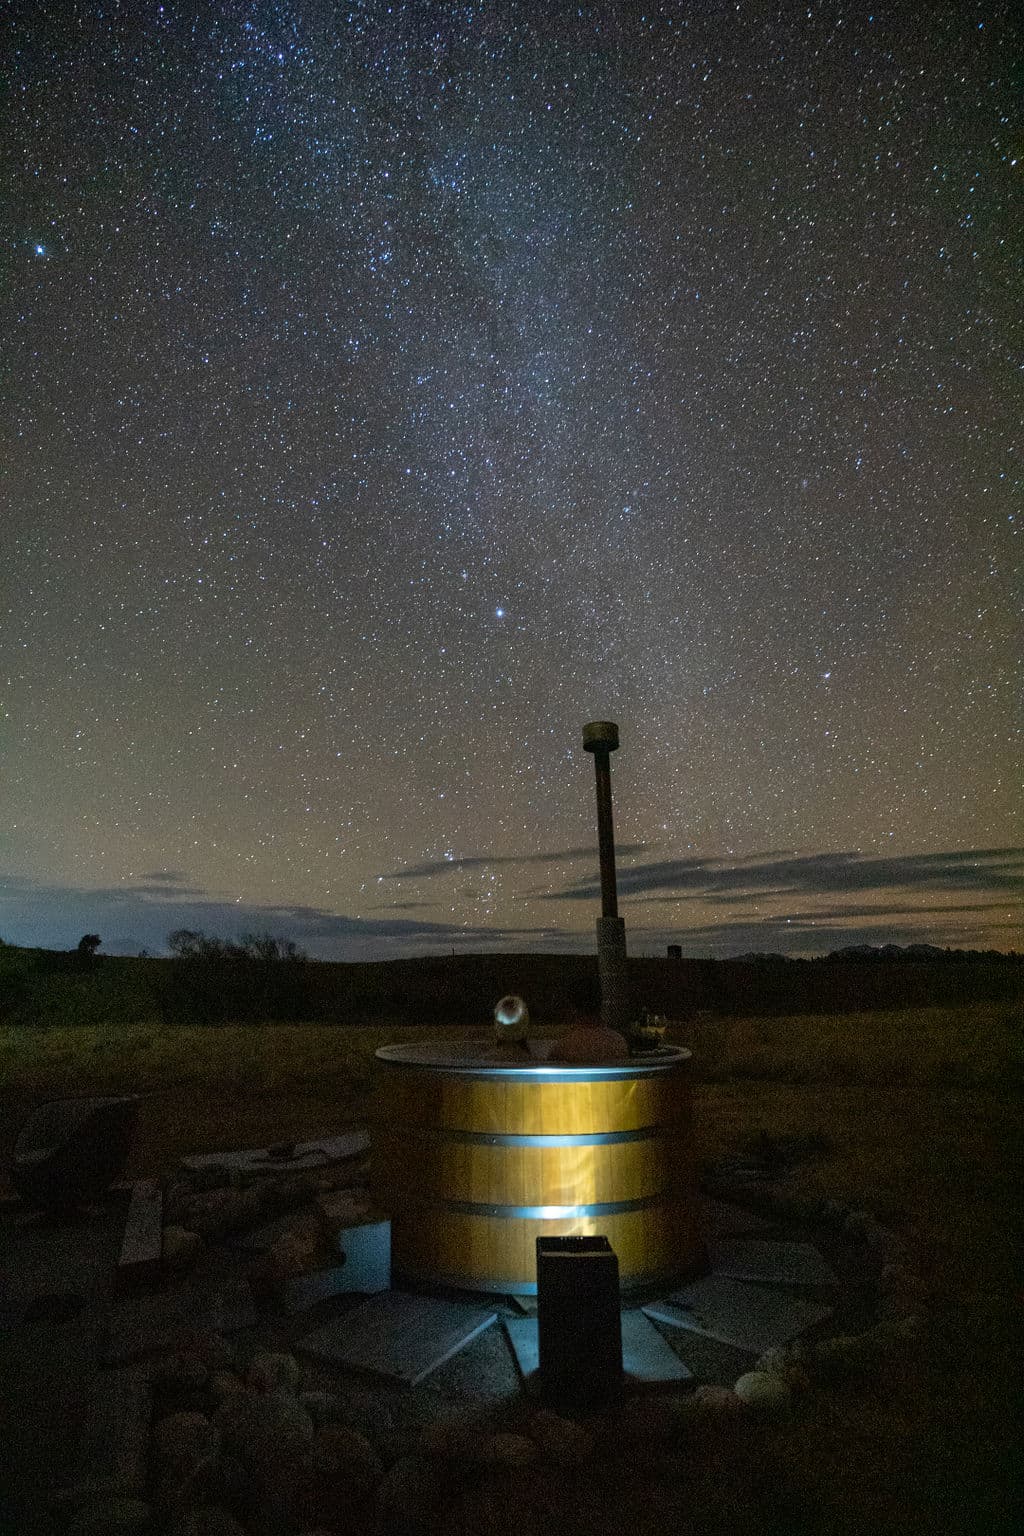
point(917, 1118)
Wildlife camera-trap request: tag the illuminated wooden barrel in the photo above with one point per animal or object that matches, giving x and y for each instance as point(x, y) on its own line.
point(474, 1160)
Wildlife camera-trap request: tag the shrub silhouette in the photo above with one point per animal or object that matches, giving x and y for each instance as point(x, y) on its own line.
point(256, 979)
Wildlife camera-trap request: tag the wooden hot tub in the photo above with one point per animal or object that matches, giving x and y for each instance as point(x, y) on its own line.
point(474, 1159)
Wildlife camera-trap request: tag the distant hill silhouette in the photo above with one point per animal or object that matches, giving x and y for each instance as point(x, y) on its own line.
point(47, 987)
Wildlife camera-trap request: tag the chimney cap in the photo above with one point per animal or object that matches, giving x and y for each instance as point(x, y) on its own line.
point(600, 736)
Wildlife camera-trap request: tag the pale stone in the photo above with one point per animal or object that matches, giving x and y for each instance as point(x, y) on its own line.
point(181, 1248)
point(509, 1450)
point(766, 1394)
point(716, 1402)
point(788, 1364)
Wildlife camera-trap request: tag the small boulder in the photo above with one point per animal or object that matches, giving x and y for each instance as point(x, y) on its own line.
point(322, 1407)
point(509, 1450)
point(714, 1402)
point(207, 1346)
point(454, 1442)
point(274, 1373)
point(207, 1520)
point(649, 1419)
point(410, 1497)
point(179, 1374)
point(181, 1248)
point(183, 1442)
point(224, 1385)
point(787, 1364)
point(264, 1428)
point(765, 1394)
point(340, 1470)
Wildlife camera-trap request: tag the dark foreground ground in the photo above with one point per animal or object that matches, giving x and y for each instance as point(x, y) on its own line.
point(914, 1117)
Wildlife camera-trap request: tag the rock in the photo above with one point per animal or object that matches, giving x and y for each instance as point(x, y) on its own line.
point(787, 1364)
point(180, 1373)
point(898, 1281)
point(322, 1407)
point(856, 1225)
point(263, 1428)
point(182, 1442)
point(837, 1357)
point(765, 1394)
point(113, 1517)
point(460, 1444)
point(410, 1497)
point(181, 1248)
point(508, 1450)
point(287, 1194)
point(207, 1521)
point(222, 1211)
point(340, 1469)
point(176, 1198)
point(274, 1373)
point(713, 1402)
point(208, 1346)
point(649, 1419)
point(210, 1176)
point(223, 1385)
point(225, 1481)
point(561, 1441)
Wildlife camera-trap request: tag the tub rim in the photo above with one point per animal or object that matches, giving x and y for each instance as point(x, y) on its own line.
point(452, 1058)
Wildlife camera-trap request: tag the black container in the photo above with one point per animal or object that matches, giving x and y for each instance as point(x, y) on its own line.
point(579, 1328)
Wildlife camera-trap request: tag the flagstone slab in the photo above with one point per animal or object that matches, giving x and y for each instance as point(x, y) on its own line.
point(397, 1335)
point(752, 1317)
point(770, 1262)
point(647, 1357)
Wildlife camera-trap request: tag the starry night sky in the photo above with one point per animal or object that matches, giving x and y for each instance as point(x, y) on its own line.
point(391, 388)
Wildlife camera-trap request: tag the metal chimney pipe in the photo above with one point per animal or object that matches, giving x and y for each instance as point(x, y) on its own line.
point(601, 737)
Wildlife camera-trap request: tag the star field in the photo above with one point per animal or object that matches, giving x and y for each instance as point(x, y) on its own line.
point(391, 388)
